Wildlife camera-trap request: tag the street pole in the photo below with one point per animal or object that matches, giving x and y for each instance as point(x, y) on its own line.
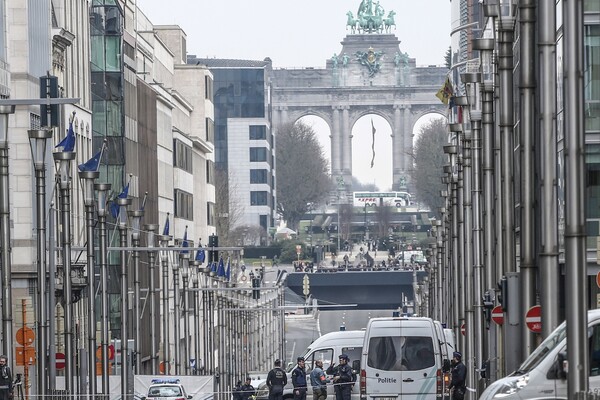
point(87, 178)
point(575, 192)
point(102, 190)
point(176, 313)
point(136, 219)
point(164, 261)
point(185, 271)
point(151, 230)
point(37, 141)
point(125, 360)
point(195, 273)
point(52, 297)
point(7, 325)
point(64, 159)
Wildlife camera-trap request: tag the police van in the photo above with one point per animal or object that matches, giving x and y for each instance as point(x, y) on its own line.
point(328, 349)
point(402, 358)
point(543, 375)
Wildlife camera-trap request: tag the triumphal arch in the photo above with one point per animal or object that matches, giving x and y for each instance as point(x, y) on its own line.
point(369, 75)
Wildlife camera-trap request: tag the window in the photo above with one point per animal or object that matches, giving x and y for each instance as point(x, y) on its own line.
point(325, 355)
point(210, 214)
point(258, 176)
point(182, 156)
point(401, 353)
point(210, 130)
point(263, 222)
point(184, 205)
point(210, 172)
point(258, 132)
point(258, 198)
point(258, 154)
point(208, 87)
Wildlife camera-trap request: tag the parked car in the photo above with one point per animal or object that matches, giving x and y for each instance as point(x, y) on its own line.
point(167, 389)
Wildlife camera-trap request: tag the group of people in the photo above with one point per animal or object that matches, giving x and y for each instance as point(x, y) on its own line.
point(343, 380)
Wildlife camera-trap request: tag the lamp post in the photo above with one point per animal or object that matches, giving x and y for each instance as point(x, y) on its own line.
point(136, 219)
point(176, 312)
point(7, 326)
point(87, 178)
point(195, 273)
point(102, 190)
point(122, 203)
point(164, 261)
point(64, 159)
point(37, 141)
point(151, 230)
point(185, 273)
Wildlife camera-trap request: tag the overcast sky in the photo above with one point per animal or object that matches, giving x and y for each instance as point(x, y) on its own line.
point(306, 33)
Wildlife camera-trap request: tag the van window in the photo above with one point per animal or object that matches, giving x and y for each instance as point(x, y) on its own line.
point(325, 355)
point(543, 349)
point(401, 353)
point(353, 353)
point(594, 350)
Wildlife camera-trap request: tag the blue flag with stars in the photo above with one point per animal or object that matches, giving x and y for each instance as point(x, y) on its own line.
point(221, 268)
point(166, 228)
point(92, 164)
point(185, 243)
point(114, 207)
point(201, 256)
point(68, 143)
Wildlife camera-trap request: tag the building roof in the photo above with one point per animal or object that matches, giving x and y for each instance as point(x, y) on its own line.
point(228, 63)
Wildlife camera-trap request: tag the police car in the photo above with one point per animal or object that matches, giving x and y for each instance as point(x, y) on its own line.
point(167, 389)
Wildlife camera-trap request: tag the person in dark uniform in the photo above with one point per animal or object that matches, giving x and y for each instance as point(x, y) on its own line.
point(299, 380)
point(343, 378)
point(459, 376)
point(247, 390)
point(276, 381)
point(237, 391)
point(6, 379)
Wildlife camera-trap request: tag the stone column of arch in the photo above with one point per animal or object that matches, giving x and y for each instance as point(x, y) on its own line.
point(336, 154)
point(347, 145)
point(397, 145)
point(407, 145)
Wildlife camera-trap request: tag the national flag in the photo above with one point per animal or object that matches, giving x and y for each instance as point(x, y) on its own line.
point(166, 228)
point(200, 256)
point(221, 268)
point(213, 267)
point(228, 270)
point(445, 91)
point(373, 144)
point(93, 163)
point(68, 143)
point(114, 207)
point(185, 244)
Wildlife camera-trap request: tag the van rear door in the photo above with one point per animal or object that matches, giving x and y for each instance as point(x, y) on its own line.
point(422, 361)
point(384, 366)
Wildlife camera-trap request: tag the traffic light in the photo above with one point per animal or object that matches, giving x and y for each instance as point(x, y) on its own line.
point(503, 295)
point(256, 291)
point(213, 255)
point(49, 89)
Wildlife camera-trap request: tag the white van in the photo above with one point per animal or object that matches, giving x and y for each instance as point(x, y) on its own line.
point(328, 349)
point(542, 376)
point(401, 358)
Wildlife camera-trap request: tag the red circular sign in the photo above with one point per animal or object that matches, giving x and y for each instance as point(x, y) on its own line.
point(463, 329)
point(598, 279)
point(60, 360)
point(498, 315)
point(533, 319)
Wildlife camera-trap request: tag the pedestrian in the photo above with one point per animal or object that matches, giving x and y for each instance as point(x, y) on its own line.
point(459, 375)
point(237, 391)
point(343, 378)
point(319, 381)
point(276, 381)
point(6, 379)
point(299, 380)
point(247, 390)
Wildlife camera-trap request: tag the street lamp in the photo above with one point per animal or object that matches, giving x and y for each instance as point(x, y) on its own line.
point(164, 261)
point(122, 203)
point(87, 178)
point(64, 158)
point(136, 219)
point(102, 190)
point(151, 230)
point(195, 273)
point(37, 141)
point(185, 273)
point(176, 311)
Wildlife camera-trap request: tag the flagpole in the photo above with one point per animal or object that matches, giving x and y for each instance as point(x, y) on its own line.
point(164, 243)
point(177, 312)
point(151, 230)
point(186, 306)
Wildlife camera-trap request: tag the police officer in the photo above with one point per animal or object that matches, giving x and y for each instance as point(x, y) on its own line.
point(459, 377)
point(276, 380)
point(299, 380)
point(247, 390)
point(343, 378)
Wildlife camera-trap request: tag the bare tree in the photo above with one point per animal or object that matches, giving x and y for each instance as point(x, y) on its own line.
point(228, 210)
point(429, 159)
point(302, 172)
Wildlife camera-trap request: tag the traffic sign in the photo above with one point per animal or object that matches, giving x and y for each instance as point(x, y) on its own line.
point(25, 336)
point(111, 352)
point(298, 249)
point(498, 315)
point(463, 329)
point(598, 279)
point(533, 319)
point(60, 360)
point(25, 355)
point(306, 285)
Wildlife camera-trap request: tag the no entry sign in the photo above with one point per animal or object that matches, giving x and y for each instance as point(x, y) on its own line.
point(498, 315)
point(463, 329)
point(533, 319)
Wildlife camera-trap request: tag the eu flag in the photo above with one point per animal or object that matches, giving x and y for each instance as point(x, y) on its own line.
point(221, 268)
point(185, 243)
point(166, 228)
point(92, 164)
point(68, 143)
point(114, 207)
point(201, 256)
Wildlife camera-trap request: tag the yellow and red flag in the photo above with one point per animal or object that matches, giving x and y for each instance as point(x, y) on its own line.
point(445, 91)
